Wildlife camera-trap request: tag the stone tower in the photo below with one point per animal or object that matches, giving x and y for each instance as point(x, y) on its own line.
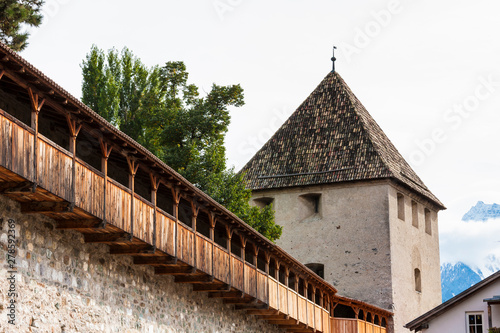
point(351, 207)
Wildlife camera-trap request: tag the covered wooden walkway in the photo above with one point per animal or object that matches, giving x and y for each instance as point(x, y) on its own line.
point(60, 159)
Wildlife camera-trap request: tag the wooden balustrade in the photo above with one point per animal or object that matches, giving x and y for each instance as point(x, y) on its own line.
point(88, 186)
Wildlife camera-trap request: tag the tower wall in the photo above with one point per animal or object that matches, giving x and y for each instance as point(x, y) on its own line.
point(368, 252)
point(349, 235)
point(412, 247)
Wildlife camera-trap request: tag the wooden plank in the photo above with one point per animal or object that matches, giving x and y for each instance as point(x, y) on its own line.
point(273, 293)
point(237, 273)
point(165, 233)
point(203, 255)
point(89, 188)
point(221, 265)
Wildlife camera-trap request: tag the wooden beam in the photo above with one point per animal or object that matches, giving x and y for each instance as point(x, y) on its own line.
point(45, 207)
point(156, 260)
point(211, 287)
point(78, 224)
point(226, 294)
point(251, 307)
point(194, 279)
point(15, 187)
point(180, 270)
point(263, 313)
point(131, 250)
point(245, 301)
point(282, 321)
point(271, 317)
point(117, 237)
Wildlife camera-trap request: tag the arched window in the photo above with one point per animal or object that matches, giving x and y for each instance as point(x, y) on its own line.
point(418, 280)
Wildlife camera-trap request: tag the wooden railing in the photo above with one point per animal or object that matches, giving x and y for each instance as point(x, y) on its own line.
point(54, 173)
point(344, 325)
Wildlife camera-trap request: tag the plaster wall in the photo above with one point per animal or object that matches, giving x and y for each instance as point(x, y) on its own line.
point(455, 320)
point(413, 248)
point(349, 235)
point(65, 285)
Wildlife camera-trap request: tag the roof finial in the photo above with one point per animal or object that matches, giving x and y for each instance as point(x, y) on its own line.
point(333, 59)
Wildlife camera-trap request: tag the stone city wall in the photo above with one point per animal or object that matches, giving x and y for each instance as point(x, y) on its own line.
point(65, 285)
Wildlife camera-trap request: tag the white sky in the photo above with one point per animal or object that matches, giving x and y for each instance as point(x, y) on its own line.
point(420, 67)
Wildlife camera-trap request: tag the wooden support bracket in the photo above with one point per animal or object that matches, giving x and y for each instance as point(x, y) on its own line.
point(194, 279)
point(78, 224)
point(118, 237)
point(131, 250)
point(156, 260)
point(16, 187)
point(46, 207)
point(211, 287)
point(182, 270)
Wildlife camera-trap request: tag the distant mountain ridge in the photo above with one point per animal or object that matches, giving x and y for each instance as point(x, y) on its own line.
point(456, 278)
point(459, 276)
point(482, 212)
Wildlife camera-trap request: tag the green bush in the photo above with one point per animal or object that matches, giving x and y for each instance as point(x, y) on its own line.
point(494, 330)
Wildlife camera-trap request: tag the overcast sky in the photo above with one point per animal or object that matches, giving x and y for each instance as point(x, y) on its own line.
point(427, 71)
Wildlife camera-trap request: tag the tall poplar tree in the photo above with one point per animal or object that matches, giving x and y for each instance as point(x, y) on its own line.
point(160, 110)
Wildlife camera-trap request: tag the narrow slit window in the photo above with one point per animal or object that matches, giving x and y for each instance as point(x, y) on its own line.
point(428, 221)
point(414, 214)
point(401, 207)
point(418, 280)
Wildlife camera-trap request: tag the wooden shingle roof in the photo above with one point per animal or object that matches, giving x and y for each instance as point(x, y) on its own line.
point(330, 138)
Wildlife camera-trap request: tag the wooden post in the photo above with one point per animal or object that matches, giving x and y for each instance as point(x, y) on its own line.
point(155, 183)
point(268, 260)
point(242, 253)
point(176, 193)
point(133, 166)
point(105, 151)
point(306, 289)
point(490, 321)
point(36, 106)
point(74, 129)
point(195, 208)
point(277, 277)
point(255, 258)
point(213, 221)
point(229, 233)
point(314, 306)
point(287, 275)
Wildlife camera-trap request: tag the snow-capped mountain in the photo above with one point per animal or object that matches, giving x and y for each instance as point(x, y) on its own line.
point(455, 278)
point(472, 247)
point(482, 212)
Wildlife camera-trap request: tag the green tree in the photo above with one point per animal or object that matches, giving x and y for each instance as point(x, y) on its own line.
point(159, 109)
point(13, 15)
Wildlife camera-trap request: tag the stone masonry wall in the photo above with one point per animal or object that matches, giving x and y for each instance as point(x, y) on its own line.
point(65, 285)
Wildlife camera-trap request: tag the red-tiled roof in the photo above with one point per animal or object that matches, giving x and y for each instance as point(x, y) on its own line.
point(330, 138)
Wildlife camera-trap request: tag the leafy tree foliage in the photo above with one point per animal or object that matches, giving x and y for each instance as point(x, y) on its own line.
point(15, 13)
point(160, 110)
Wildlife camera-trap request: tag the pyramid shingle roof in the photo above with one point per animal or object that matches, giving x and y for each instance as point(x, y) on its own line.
point(330, 138)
